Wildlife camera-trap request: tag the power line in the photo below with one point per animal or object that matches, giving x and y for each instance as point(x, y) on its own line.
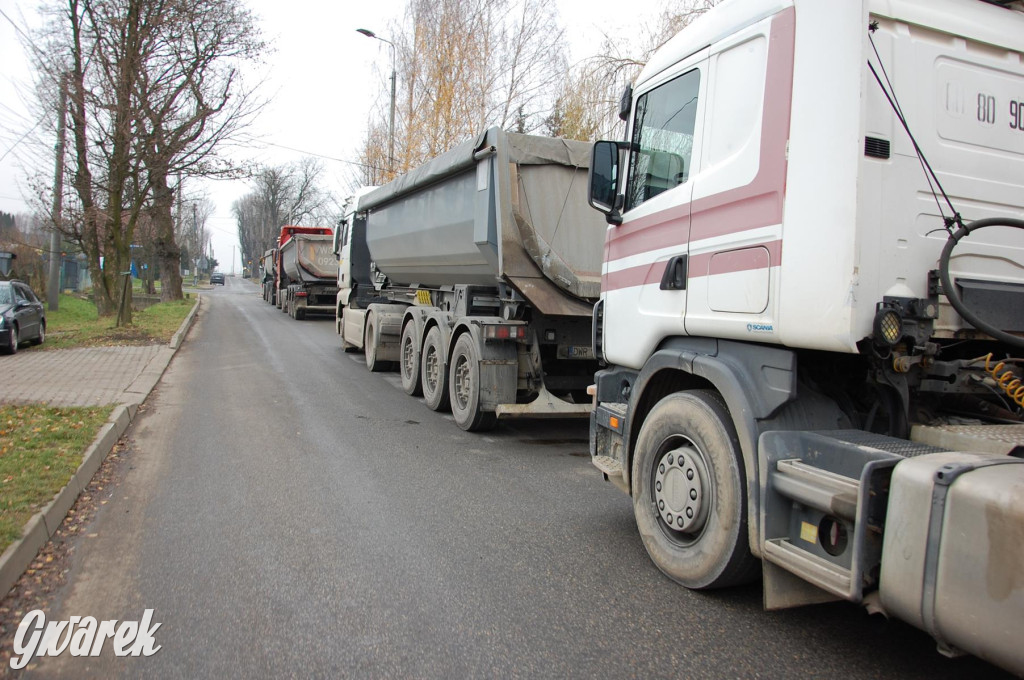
point(257, 140)
point(22, 138)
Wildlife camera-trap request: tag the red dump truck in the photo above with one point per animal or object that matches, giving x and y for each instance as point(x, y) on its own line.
point(307, 271)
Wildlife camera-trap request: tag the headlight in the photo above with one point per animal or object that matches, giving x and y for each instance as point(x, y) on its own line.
point(2, 320)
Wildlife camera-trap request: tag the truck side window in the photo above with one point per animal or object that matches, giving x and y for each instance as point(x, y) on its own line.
point(662, 138)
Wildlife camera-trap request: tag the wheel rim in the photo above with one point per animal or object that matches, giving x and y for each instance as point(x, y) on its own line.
point(680, 490)
point(14, 338)
point(42, 333)
point(433, 369)
point(463, 381)
point(409, 358)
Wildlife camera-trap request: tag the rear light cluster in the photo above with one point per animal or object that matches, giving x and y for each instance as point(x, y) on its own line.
point(504, 332)
point(301, 293)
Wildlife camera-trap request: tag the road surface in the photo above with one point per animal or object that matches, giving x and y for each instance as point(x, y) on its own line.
point(288, 514)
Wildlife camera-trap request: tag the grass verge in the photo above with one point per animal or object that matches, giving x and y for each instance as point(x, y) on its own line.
point(40, 449)
point(76, 324)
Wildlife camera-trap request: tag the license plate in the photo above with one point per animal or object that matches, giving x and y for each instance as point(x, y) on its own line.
point(575, 352)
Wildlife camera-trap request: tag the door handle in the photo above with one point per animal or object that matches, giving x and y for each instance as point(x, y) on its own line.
point(674, 277)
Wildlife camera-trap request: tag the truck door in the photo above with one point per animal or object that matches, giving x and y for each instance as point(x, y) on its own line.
point(645, 277)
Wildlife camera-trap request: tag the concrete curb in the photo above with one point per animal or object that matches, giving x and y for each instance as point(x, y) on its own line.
point(177, 338)
point(38, 530)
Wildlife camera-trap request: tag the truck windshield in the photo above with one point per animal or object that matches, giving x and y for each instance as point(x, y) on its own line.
point(662, 138)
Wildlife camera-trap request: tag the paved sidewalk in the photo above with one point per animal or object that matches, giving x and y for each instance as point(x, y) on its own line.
point(93, 376)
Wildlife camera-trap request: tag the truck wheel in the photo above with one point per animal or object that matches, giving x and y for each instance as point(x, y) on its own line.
point(410, 361)
point(464, 387)
point(373, 364)
point(688, 492)
point(432, 374)
point(278, 301)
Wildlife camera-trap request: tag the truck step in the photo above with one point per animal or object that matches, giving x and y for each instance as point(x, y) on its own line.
point(820, 489)
point(813, 569)
point(822, 503)
point(607, 465)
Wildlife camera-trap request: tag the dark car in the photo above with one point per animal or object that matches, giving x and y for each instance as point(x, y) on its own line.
point(21, 316)
point(217, 277)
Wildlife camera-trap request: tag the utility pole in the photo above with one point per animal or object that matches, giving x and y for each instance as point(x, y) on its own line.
point(195, 236)
point(53, 283)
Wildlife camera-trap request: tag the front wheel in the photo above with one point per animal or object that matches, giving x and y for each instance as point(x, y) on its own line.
point(464, 387)
point(41, 338)
point(373, 364)
point(13, 349)
point(688, 492)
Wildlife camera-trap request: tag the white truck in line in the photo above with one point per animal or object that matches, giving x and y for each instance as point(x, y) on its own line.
point(476, 273)
point(812, 308)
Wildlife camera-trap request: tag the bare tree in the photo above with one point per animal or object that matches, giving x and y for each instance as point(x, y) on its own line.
point(465, 65)
point(190, 101)
point(586, 106)
point(289, 194)
point(153, 91)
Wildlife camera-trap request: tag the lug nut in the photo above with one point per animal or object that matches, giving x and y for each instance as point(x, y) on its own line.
point(689, 513)
point(661, 468)
point(661, 505)
point(669, 519)
point(670, 459)
point(693, 494)
point(689, 473)
point(657, 485)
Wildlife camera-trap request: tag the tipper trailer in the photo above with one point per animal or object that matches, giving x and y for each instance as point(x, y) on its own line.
point(307, 271)
point(812, 305)
point(476, 273)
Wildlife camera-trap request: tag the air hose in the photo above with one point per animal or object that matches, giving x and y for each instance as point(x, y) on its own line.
point(950, 289)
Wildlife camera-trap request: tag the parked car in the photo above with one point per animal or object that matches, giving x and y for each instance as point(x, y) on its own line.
point(21, 316)
point(217, 277)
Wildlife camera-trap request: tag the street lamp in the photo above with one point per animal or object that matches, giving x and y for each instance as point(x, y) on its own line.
point(391, 125)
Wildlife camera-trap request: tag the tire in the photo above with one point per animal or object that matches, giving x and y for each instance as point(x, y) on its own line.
point(409, 363)
point(464, 387)
point(13, 349)
point(300, 313)
point(433, 377)
point(711, 548)
point(373, 364)
point(41, 338)
point(278, 302)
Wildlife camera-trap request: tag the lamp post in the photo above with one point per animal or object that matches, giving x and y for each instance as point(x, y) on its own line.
point(391, 124)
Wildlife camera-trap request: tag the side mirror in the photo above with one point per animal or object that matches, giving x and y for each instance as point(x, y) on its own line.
point(604, 180)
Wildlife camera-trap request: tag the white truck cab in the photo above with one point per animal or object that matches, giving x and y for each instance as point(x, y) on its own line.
point(812, 308)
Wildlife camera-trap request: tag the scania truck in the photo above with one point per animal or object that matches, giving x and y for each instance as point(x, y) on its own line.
point(812, 307)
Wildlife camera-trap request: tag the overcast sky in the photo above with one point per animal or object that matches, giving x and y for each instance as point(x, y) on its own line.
point(320, 81)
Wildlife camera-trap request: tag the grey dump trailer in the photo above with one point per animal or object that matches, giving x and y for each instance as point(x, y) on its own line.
point(476, 274)
point(309, 274)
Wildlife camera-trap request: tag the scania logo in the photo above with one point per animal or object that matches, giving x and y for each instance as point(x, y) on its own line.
point(759, 328)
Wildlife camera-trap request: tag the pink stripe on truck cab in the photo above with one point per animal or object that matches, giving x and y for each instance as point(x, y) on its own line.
point(758, 204)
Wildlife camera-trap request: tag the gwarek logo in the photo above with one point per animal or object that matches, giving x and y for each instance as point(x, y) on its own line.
point(82, 636)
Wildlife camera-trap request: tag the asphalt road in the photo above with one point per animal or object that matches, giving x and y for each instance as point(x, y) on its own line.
point(288, 514)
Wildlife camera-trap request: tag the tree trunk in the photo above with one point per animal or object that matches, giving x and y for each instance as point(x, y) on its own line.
point(168, 254)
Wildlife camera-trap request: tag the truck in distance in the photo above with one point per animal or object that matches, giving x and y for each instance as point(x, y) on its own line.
point(476, 274)
point(307, 271)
